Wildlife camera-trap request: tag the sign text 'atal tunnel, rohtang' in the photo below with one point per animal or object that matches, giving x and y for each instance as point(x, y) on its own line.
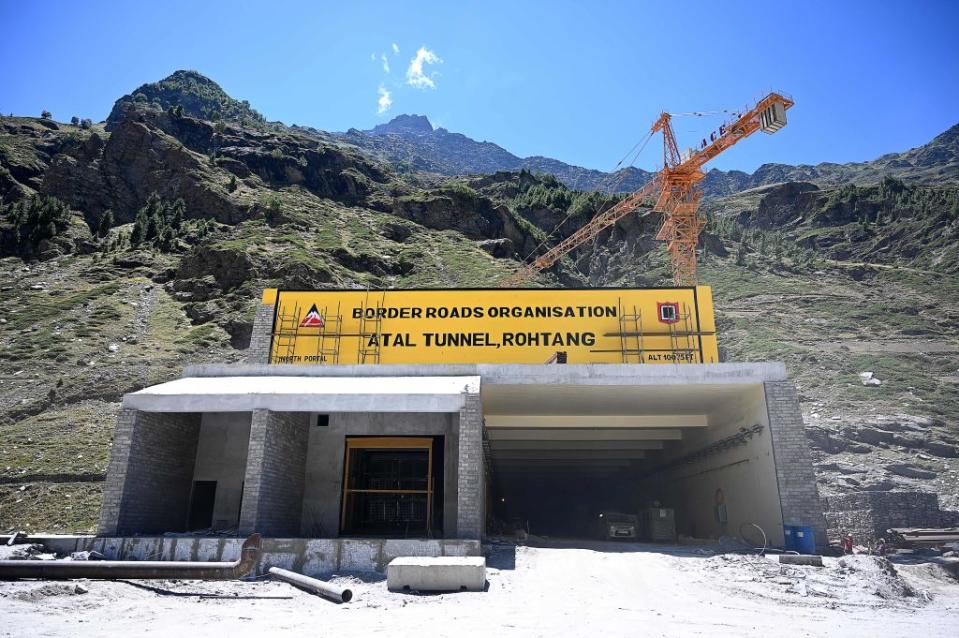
point(598, 325)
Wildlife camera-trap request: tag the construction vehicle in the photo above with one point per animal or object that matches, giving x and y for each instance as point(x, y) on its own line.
point(675, 192)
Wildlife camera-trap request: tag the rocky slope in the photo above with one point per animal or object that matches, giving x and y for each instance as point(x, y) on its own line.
point(835, 281)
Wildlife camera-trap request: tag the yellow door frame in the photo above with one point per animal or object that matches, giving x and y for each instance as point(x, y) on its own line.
point(389, 443)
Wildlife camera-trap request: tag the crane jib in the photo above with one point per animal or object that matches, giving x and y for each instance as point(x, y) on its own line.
point(676, 189)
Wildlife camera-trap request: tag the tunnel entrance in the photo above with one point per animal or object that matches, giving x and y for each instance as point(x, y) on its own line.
point(571, 499)
point(592, 462)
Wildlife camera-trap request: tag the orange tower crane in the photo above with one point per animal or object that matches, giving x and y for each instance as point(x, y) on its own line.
point(674, 191)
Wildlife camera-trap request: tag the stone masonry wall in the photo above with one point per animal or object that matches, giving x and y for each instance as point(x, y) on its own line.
point(150, 478)
point(259, 351)
point(471, 486)
point(794, 469)
point(275, 473)
point(867, 515)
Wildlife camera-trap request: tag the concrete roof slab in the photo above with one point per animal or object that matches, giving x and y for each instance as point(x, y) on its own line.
point(305, 394)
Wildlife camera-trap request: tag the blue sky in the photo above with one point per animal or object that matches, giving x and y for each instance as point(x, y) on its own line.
point(577, 81)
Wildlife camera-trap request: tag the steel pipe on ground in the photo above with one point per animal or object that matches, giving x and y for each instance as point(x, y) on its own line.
point(338, 594)
point(135, 569)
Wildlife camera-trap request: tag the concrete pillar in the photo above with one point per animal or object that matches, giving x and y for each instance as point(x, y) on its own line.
point(471, 487)
point(116, 474)
point(275, 473)
point(150, 478)
point(260, 338)
point(798, 494)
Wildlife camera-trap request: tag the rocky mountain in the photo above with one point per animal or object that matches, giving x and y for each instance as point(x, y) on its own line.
point(129, 252)
point(197, 95)
point(411, 142)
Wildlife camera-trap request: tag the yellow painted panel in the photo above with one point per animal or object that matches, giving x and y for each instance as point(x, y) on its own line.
point(269, 296)
point(598, 325)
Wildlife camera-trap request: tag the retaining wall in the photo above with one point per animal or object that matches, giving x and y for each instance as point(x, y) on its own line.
point(317, 557)
point(867, 515)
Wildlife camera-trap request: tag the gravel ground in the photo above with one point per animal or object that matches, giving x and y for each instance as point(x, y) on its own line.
point(562, 590)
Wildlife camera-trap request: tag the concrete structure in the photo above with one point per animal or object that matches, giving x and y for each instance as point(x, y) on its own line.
point(424, 573)
point(547, 448)
point(318, 558)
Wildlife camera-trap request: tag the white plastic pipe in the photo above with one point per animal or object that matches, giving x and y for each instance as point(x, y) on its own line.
point(338, 594)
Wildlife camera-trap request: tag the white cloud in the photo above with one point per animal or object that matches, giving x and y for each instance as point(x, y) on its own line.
point(386, 64)
point(396, 49)
point(414, 74)
point(385, 101)
point(373, 57)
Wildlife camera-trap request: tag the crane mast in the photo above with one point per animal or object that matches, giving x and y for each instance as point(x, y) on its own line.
point(674, 191)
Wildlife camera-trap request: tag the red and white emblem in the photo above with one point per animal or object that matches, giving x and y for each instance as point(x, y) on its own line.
point(313, 319)
point(667, 312)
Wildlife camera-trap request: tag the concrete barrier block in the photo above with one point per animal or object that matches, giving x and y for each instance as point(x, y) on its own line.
point(441, 573)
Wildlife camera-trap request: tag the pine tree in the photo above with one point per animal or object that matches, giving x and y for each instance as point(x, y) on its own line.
point(167, 239)
point(154, 205)
point(178, 208)
point(154, 226)
point(138, 234)
point(106, 223)
point(742, 252)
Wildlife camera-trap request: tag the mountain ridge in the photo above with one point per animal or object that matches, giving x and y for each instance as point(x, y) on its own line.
point(409, 142)
point(436, 148)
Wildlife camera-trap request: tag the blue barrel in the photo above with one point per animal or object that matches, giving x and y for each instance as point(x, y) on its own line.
point(790, 536)
point(800, 538)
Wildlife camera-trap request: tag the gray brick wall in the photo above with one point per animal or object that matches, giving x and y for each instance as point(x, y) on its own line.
point(275, 473)
point(794, 470)
point(259, 351)
point(150, 478)
point(471, 487)
point(867, 515)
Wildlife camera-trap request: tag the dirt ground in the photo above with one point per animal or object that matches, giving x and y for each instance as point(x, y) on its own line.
point(574, 589)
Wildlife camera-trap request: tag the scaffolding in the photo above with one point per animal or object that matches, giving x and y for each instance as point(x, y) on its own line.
point(289, 329)
point(631, 335)
point(682, 337)
point(285, 332)
point(370, 335)
point(328, 337)
point(682, 334)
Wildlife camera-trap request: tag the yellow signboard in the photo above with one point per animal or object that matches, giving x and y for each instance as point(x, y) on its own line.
point(597, 325)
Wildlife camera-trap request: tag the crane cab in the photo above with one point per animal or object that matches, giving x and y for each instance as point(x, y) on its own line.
point(772, 118)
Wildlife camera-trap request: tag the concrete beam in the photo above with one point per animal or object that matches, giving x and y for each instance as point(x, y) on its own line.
point(520, 474)
point(584, 435)
point(496, 446)
point(533, 374)
point(587, 421)
point(568, 463)
point(508, 455)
